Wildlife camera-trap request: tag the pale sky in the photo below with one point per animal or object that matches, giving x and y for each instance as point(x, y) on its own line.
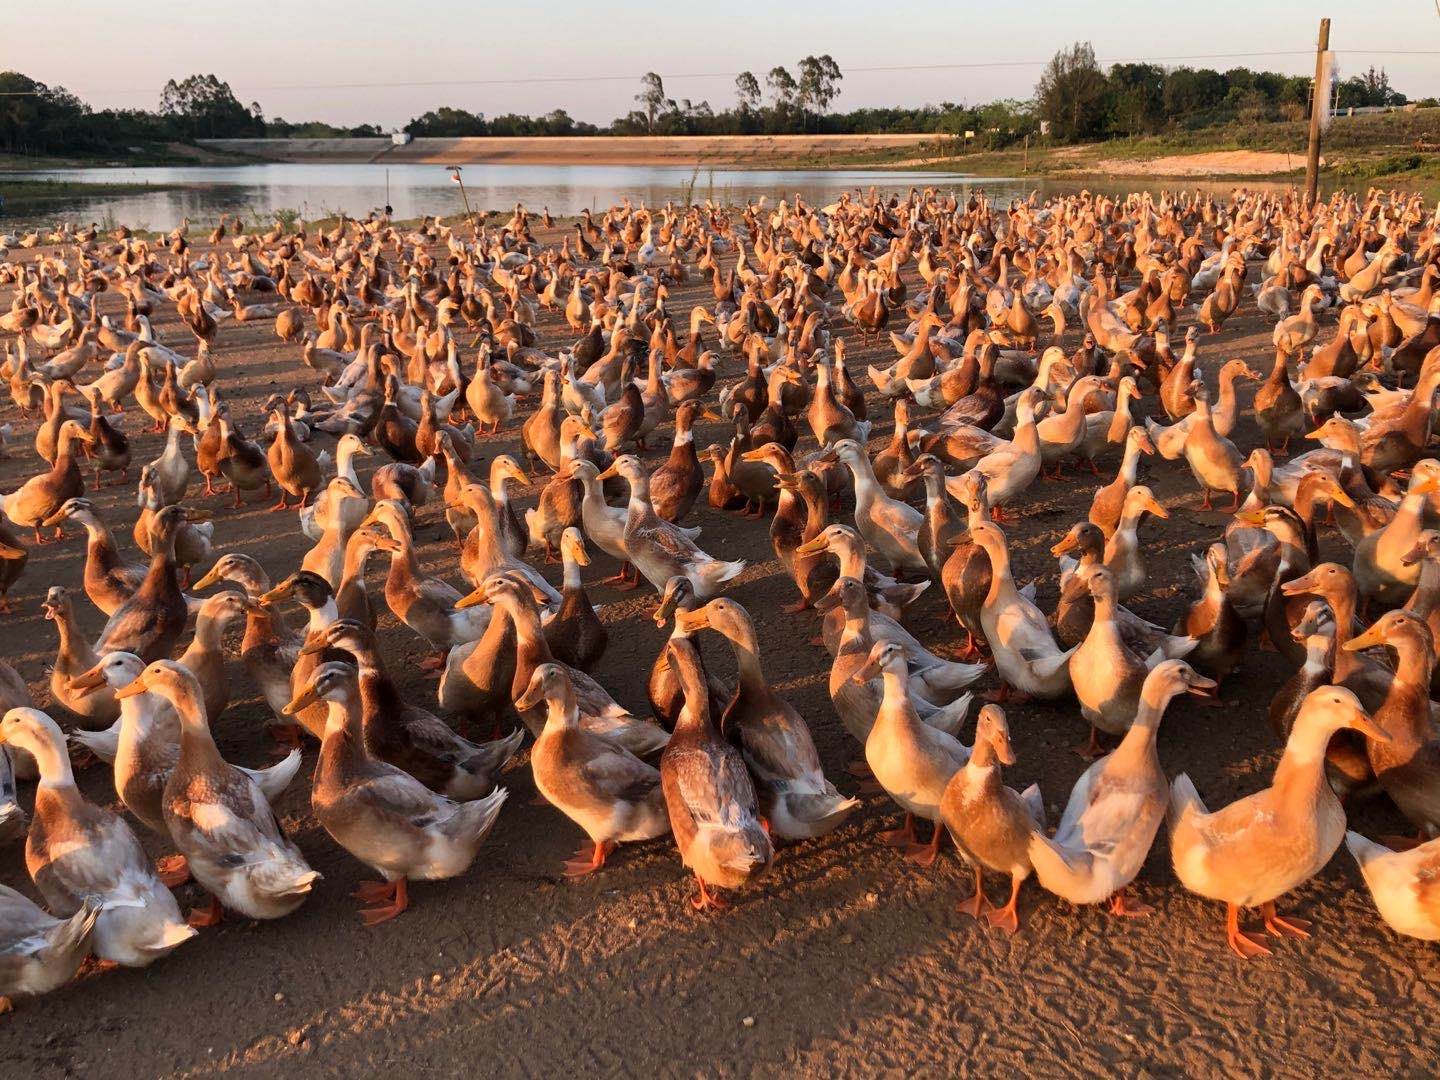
point(301, 58)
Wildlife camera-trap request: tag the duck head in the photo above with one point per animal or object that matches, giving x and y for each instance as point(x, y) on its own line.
point(333, 680)
point(116, 669)
point(992, 729)
point(885, 657)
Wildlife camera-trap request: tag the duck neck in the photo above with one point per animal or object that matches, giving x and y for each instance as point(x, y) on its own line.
point(321, 616)
point(53, 765)
point(571, 581)
point(1130, 463)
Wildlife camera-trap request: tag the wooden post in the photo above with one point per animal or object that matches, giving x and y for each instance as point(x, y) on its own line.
point(1026, 167)
point(1312, 160)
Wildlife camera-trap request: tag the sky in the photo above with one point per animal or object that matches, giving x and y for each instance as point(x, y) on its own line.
point(339, 62)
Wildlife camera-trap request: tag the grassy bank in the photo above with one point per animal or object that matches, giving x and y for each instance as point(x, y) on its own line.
point(29, 192)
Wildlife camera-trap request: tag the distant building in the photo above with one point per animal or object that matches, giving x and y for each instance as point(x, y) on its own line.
point(400, 138)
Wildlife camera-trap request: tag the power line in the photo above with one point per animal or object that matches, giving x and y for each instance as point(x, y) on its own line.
point(530, 80)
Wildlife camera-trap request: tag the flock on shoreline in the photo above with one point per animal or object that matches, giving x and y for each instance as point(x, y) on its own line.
point(1028, 338)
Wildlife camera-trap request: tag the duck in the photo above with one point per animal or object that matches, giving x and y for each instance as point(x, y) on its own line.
point(74, 655)
point(404, 734)
point(1011, 467)
point(1407, 763)
point(676, 483)
point(662, 687)
point(991, 823)
point(1108, 503)
point(1027, 657)
point(41, 496)
point(147, 746)
point(660, 550)
point(109, 580)
point(13, 559)
point(1116, 807)
point(342, 500)
point(889, 526)
point(1260, 847)
point(1381, 572)
point(241, 461)
point(605, 789)
point(149, 623)
point(219, 818)
point(801, 514)
point(1401, 884)
point(1279, 411)
point(1213, 459)
point(576, 634)
point(297, 470)
point(381, 814)
point(38, 952)
point(1123, 552)
point(796, 800)
point(911, 760)
point(80, 854)
point(709, 797)
point(1213, 620)
point(426, 605)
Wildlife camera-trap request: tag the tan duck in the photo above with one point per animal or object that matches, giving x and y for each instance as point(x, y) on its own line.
point(1116, 807)
point(1213, 459)
point(1109, 501)
point(1381, 572)
point(109, 579)
point(991, 823)
point(796, 799)
point(676, 483)
point(407, 736)
point(1261, 846)
point(890, 527)
point(1027, 657)
point(1407, 764)
point(1402, 884)
point(709, 797)
point(576, 635)
point(609, 792)
point(381, 814)
point(911, 760)
point(801, 514)
point(599, 711)
point(294, 465)
point(1213, 620)
point(42, 496)
point(660, 550)
point(150, 621)
point(39, 953)
point(219, 818)
point(662, 687)
point(426, 605)
point(74, 655)
point(80, 854)
point(242, 461)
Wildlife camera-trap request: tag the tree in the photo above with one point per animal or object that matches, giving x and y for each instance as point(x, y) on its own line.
point(204, 105)
point(1136, 96)
point(1369, 89)
point(819, 83)
point(782, 89)
point(747, 93)
point(1071, 93)
point(651, 98)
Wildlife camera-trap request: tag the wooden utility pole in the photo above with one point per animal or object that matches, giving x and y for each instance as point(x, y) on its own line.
point(1317, 107)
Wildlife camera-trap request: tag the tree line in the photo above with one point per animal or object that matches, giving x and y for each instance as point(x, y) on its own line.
point(1075, 100)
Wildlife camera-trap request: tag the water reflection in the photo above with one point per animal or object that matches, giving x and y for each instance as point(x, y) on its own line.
point(320, 190)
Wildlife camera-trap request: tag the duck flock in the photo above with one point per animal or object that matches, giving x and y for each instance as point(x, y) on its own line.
point(1029, 338)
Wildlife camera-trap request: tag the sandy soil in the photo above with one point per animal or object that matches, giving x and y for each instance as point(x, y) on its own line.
point(845, 959)
point(1211, 163)
point(748, 150)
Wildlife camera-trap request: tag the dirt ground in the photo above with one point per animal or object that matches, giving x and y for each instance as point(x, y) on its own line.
point(845, 959)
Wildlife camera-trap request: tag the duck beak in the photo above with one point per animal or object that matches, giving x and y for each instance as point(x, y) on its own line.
point(1156, 509)
point(210, 577)
point(302, 701)
point(871, 670)
point(533, 696)
point(1004, 751)
point(1339, 497)
point(1200, 686)
point(8, 552)
point(828, 602)
point(1414, 555)
point(812, 547)
point(86, 683)
point(1254, 516)
point(710, 414)
point(311, 648)
point(690, 621)
point(274, 596)
point(608, 473)
point(1066, 544)
point(580, 555)
point(1368, 640)
point(135, 689)
point(1299, 586)
point(520, 476)
point(1366, 726)
point(55, 519)
point(753, 455)
point(1426, 485)
point(473, 600)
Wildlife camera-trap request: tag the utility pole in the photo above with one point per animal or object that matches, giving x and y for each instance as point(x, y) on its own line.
point(1319, 96)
